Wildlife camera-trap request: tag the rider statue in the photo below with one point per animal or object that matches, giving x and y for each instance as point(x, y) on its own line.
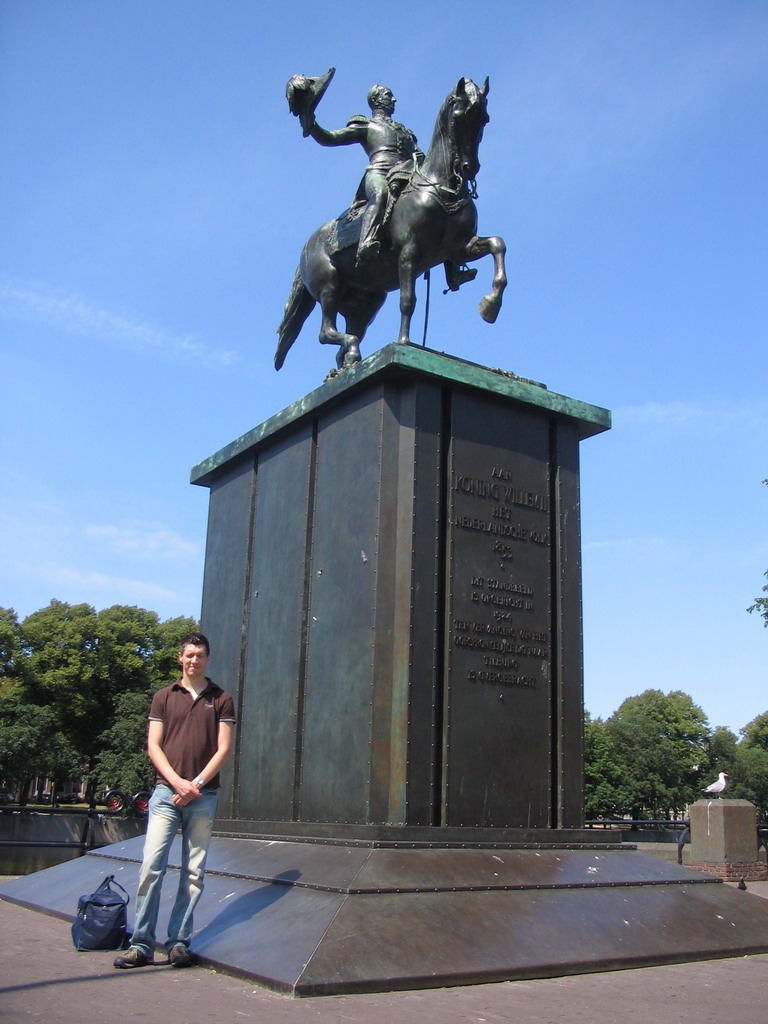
point(389, 145)
point(411, 213)
point(392, 153)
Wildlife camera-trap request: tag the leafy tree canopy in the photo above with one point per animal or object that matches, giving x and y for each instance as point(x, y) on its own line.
point(660, 742)
point(755, 733)
point(74, 670)
point(656, 754)
point(123, 762)
point(11, 661)
point(761, 603)
point(604, 793)
point(30, 744)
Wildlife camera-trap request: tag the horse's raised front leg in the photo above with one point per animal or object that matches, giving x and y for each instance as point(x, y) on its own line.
point(349, 344)
point(477, 248)
point(407, 269)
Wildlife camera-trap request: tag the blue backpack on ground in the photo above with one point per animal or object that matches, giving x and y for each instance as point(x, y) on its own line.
point(102, 918)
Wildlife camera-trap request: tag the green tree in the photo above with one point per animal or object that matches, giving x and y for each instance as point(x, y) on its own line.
point(12, 661)
point(604, 792)
point(126, 643)
point(94, 674)
point(60, 646)
point(30, 745)
point(750, 778)
point(755, 733)
point(660, 740)
point(11, 656)
point(79, 662)
point(123, 762)
point(761, 603)
point(721, 754)
point(138, 655)
point(749, 775)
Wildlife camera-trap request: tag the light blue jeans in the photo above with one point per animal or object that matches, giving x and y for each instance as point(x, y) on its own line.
point(165, 819)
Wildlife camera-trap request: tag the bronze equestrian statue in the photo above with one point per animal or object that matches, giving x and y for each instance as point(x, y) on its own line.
point(411, 212)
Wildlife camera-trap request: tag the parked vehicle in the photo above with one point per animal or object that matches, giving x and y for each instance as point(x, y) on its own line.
point(140, 803)
point(115, 800)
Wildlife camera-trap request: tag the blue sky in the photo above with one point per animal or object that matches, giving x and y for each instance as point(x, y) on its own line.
point(156, 195)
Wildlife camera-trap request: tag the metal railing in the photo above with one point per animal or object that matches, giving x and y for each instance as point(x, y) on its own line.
point(681, 826)
point(84, 844)
point(136, 807)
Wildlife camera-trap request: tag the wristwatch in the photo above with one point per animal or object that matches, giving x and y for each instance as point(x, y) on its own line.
point(199, 781)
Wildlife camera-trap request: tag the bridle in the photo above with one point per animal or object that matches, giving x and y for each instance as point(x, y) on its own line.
point(459, 190)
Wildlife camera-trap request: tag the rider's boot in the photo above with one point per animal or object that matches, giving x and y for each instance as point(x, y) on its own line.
point(455, 276)
point(367, 252)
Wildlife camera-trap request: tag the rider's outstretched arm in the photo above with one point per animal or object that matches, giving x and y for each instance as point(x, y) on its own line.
point(355, 131)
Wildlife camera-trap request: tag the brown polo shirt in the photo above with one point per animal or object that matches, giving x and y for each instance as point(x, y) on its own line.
point(191, 727)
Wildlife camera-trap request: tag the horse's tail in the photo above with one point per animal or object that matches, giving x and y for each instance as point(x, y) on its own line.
point(298, 307)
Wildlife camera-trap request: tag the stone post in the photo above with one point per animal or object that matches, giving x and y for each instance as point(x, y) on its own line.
point(724, 840)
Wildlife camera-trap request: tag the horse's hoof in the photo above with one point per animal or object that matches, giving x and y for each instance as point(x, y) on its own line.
point(349, 352)
point(489, 309)
point(351, 356)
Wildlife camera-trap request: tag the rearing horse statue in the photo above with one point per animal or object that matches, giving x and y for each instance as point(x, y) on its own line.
point(432, 221)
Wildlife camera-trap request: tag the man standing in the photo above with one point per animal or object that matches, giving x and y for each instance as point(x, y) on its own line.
point(190, 737)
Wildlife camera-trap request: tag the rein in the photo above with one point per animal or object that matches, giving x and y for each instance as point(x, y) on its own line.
point(451, 200)
point(447, 198)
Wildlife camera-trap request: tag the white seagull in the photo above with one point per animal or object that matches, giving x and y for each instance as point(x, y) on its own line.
point(719, 786)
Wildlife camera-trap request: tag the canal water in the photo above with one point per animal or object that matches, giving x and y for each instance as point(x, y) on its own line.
point(23, 860)
point(33, 840)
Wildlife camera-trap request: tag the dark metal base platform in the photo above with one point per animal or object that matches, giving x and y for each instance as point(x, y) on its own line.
point(334, 916)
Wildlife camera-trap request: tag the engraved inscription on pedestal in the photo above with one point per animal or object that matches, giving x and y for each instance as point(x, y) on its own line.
point(499, 611)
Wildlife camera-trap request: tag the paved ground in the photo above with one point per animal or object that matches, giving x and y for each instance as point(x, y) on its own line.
point(42, 977)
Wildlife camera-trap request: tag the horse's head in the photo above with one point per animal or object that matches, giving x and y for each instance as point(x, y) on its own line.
point(466, 114)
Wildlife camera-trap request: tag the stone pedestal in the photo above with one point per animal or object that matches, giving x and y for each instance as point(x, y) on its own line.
point(393, 596)
point(724, 840)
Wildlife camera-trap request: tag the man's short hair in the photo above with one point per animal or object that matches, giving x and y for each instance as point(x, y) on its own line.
point(374, 95)
point(196, 640)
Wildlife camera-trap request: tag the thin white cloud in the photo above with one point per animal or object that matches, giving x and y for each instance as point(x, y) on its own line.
point(50, 550)
point(749, 415)
point(98, 584)
point(145, 540)
point(38, 525)
point(38, 303)
point(634, 543)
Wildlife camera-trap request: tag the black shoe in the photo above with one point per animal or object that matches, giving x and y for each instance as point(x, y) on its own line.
point(179, 956)
point(135, 957)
